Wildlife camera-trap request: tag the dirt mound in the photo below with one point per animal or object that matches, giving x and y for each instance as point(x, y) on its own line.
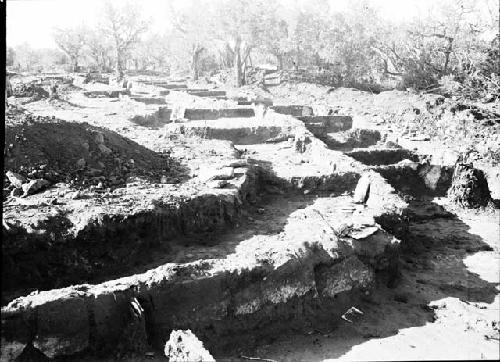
point(32, 91)
point(79, 154)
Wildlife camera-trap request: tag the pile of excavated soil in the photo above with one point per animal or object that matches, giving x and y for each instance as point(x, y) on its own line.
point(32, 91)
point(76, 153)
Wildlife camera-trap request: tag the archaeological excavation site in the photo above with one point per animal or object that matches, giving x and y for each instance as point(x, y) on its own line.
point(254, 214)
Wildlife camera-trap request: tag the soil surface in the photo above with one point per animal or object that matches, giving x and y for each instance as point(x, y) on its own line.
point(76, 153)
point(448, 287)
point(444, 303)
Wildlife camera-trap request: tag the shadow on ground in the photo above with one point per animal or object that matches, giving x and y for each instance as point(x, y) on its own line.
point(431, 268)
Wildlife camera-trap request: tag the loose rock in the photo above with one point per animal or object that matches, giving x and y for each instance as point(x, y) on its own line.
point(35, 186)
point(15, 179)
point(362, 191)
point(183, 345)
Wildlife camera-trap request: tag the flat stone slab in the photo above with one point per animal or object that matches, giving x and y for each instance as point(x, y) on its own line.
point(211, 114)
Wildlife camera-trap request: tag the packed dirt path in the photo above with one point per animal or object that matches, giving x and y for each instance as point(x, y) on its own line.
point(445, 306)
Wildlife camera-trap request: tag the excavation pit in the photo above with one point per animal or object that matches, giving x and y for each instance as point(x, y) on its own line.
point(252, 276)
point(417, 179)
point(382, 156)
point(299, 249)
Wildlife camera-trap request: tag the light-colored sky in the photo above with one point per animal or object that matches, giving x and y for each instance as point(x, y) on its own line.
point(32, 21)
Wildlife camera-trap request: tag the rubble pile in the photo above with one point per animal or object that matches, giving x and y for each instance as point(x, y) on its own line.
point(30, 90)
point(40, 151)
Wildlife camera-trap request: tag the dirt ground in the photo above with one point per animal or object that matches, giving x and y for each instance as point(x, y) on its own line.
point(445, 303)
point(445, 306)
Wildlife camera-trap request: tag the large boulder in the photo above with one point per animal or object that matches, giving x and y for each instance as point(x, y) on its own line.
point(16, 179)
point(469, 187)
point(34, 186)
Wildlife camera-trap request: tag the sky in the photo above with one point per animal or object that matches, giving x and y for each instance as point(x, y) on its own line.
point(32, 21)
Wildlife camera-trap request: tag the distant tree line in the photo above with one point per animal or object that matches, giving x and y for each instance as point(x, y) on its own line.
point(455, 42)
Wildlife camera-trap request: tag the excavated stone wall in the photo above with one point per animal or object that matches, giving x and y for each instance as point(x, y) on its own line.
point(211, 114)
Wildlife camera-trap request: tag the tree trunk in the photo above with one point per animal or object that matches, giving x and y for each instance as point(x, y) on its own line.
point(195, 65)
point(297, 59)
point(237, 62)
point(279, 58)
point(447, 55)
point(75, 65)
point(119, 65)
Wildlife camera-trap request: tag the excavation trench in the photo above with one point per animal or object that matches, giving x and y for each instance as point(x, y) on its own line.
point(286, 261)
point(117, 245)
point(382, 156)
point(287, 249)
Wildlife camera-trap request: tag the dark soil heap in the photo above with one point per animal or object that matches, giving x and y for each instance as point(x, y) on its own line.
point(76, 153)
point(469, 187)
point(30, 90)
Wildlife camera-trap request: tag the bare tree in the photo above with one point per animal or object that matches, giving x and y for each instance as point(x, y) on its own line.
point(71, 41)
point(10, 56)
point(241, 24)
point(26, 57)
point(153, 52)
point(192, 30)
point(98, 48)
point(125, 26)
